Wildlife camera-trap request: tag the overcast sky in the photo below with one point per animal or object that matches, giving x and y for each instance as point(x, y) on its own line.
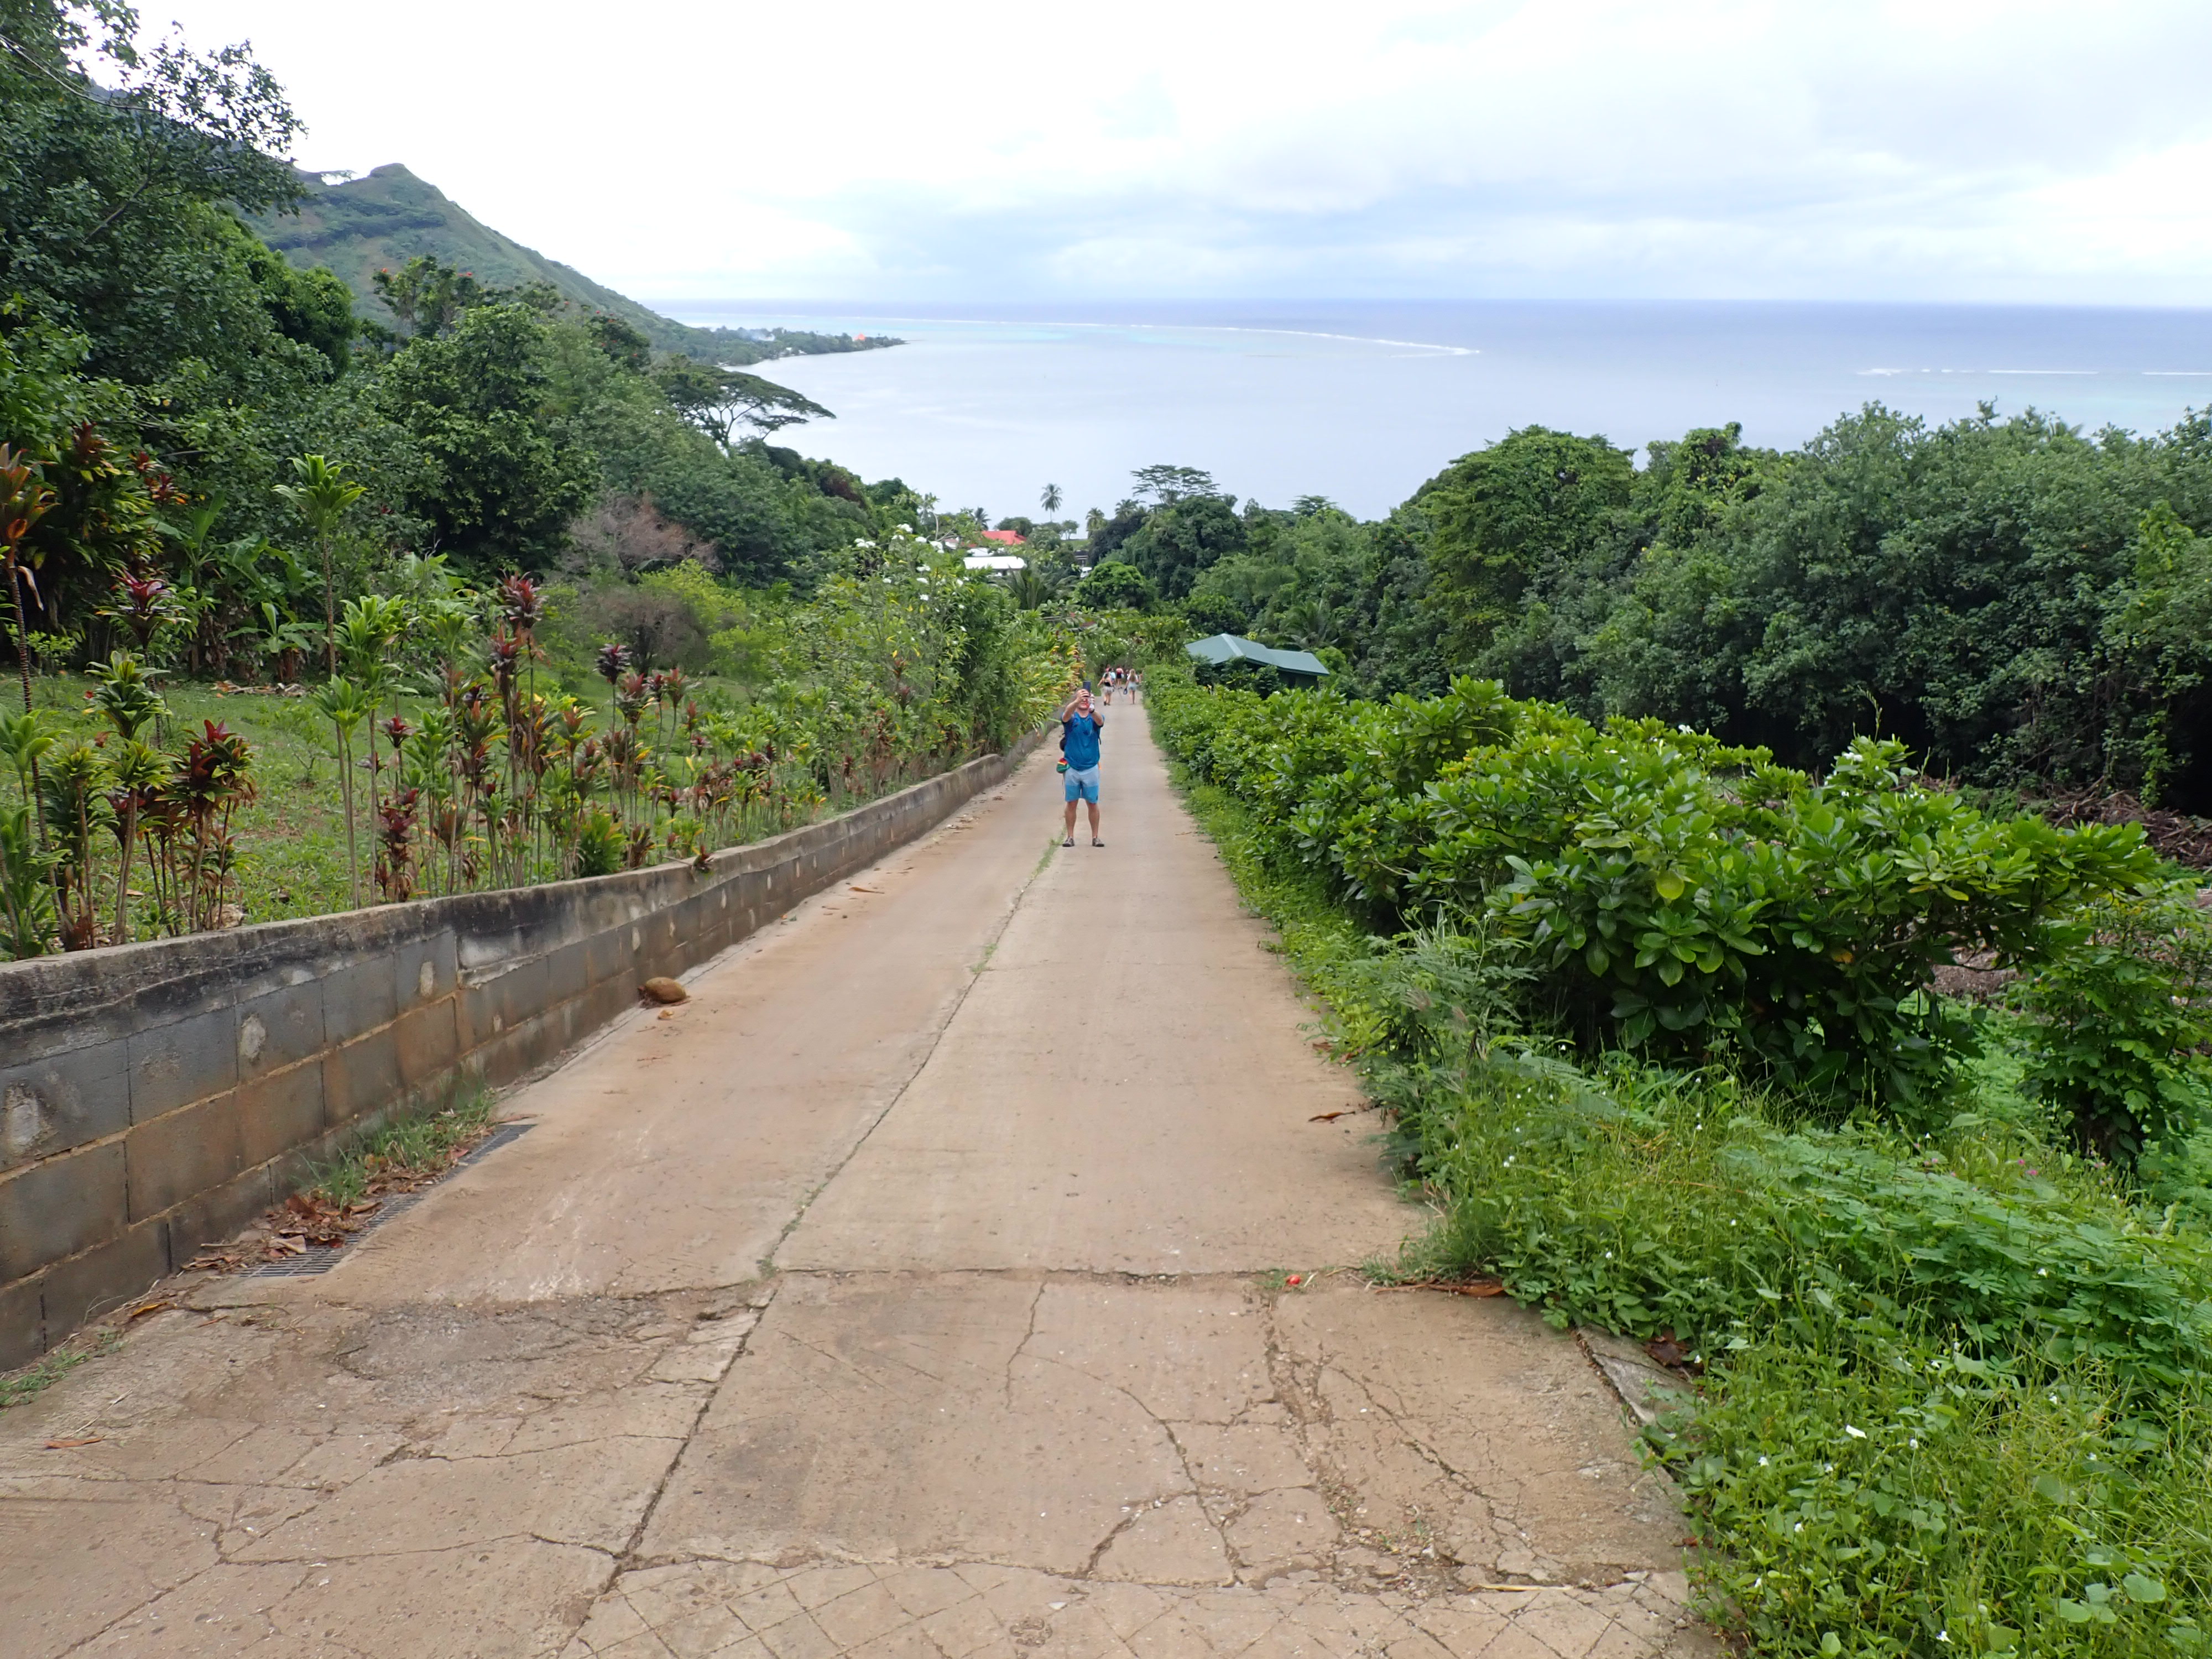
point(976, 149)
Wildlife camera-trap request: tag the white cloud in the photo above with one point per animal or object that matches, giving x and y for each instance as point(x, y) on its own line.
point(2004, 149)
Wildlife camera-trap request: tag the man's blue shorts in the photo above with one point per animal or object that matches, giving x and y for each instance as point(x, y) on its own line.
point(1083, 785)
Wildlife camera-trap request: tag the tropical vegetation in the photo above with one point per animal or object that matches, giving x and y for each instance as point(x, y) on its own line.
point(1657, 1024)
point(545, 594)
point(2019, 603)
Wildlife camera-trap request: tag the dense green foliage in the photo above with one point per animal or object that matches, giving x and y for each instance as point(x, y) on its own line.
point(1669, 892)
point(2015, 601)
point(1952, 1399)
point(162, 369)
point(482, 740)
point(2123, 1020)
point(1951, 1375)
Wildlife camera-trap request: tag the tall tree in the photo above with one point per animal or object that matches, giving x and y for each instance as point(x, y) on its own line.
point(509, 473)
point(115, 200)
point(427, 295)
point(718, 401)
point(1178, 541)
point(1168, 484)
point(1498, 514)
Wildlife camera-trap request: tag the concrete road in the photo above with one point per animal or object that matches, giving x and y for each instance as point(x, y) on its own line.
point(914, 1290)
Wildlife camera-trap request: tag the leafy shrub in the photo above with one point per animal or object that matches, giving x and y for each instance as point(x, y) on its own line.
point(600, 843)
point(2175, 1178)
point(1673, 893)
point(1263, 679)
point(2123, 1020)
point(26, 903)
point(1439, 995)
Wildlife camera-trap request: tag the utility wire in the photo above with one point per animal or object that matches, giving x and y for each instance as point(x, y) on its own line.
point(66, 85)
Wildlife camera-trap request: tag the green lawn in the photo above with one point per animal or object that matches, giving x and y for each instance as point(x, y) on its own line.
point(291, 836)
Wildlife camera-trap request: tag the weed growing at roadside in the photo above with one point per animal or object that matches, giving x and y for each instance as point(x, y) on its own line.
point(2123, 1021)
point(1875, 1491)
point(406, 1151)
point(21, 1387)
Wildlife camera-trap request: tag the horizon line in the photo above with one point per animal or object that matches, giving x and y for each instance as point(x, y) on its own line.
point(850, 303)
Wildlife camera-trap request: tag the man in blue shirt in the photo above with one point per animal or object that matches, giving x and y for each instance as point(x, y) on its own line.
point(1080, 727)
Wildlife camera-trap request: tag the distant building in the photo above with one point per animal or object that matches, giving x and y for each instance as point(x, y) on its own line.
point(1008, 538)
point(1220, 649)
point(995, 561)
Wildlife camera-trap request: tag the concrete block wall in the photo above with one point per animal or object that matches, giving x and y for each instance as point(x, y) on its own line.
point(156, 1096)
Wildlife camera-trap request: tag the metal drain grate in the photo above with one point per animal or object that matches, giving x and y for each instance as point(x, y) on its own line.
point(321, 1258)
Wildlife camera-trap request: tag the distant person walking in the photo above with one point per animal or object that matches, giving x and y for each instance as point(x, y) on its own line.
point(1080, 727)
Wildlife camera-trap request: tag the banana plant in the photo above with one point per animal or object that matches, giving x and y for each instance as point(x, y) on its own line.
point(280, 639)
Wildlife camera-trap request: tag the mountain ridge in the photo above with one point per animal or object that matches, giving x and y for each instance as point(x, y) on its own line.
point(386, 217)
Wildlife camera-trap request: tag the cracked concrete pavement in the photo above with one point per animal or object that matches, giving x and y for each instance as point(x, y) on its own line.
point(912, 1291)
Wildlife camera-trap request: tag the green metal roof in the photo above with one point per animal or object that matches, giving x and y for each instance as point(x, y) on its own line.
point(1229, 647)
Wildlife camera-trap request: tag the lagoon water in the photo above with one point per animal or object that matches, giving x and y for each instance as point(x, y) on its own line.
point(1360, 401)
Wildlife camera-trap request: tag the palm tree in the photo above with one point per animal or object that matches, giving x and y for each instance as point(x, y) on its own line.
point(1312, 622)
point(1029, 589)
point(1050, 500)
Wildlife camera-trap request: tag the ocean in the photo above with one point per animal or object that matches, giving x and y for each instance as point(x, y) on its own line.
point(1361, 401)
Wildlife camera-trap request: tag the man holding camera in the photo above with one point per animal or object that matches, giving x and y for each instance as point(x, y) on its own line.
point(1081, 725)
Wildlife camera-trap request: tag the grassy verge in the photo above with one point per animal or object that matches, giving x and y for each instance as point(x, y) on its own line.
point(291, 835)
point(1952, 1396)
point(346, 1194)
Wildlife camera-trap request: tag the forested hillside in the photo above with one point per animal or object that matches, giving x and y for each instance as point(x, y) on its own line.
point(165, 367)
point(358, 227)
